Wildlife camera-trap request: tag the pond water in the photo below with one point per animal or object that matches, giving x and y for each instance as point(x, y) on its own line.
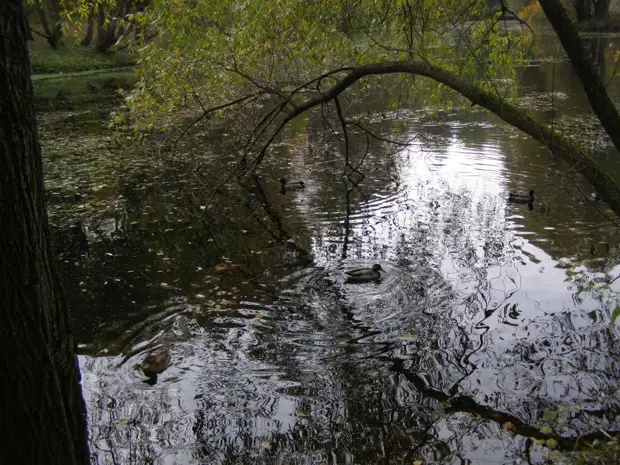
point(490, 328)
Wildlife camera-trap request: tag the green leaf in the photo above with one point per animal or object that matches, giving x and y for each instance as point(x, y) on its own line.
point(552, 443)
point(550, 415)
point(546, 429)
point(615, 315)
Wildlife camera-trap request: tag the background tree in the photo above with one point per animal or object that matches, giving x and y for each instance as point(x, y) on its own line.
point(108, 22)
point(50, 14)
point(42, 406)
point(586, 10)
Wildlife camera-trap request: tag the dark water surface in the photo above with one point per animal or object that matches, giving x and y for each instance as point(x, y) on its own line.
point(492, 320)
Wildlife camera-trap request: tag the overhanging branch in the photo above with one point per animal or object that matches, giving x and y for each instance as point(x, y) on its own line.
point(553, 141)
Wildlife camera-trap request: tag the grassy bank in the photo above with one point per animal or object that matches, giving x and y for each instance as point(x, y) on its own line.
point(72, 57)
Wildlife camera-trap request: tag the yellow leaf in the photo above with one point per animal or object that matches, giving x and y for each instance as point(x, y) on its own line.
point(508, 426)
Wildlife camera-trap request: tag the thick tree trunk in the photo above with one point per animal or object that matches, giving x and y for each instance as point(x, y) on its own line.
point(51, 23)
point(109, 32)
point(43, 412)
point(583, 10)
point(590, 81)
point(601, 9)
point(90, 30)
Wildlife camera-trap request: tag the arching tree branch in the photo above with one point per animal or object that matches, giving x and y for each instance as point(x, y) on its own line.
point(558, 145)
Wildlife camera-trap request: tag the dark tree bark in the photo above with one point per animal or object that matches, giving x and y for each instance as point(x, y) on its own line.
point(591, 9)
point(90, 30)
point(51, 21)
point(601, 9)
point(43, 412)
point(582, 10)
point(109, 32)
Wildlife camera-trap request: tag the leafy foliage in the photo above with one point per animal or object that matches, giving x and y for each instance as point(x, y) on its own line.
point(209, 54)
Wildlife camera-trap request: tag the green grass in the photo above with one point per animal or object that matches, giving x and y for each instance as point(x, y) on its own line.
point(73, 58)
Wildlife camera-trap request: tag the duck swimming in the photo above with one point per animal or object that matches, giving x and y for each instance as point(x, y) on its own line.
point(517, 198)
point(363, 275)
point(156, 362)
point(291, 185)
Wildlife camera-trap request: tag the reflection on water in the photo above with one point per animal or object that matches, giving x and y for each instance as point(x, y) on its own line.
point(486, 325)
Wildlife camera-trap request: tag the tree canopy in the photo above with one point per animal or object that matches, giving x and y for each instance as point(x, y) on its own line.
point(258, 65)
point(211, 54)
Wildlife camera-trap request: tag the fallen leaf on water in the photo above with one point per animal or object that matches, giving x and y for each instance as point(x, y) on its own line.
point(259, 315)
point(509, 426)
point(163, 284)
point(265, 445)
point(417, 462)
point(274, 377)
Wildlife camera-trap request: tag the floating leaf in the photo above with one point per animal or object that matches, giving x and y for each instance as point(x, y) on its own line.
point(259, 315)
point(274, 377)
point(265, 445)
point(546, 429)
point(417, 462)
point(163, 284)
point(508, 426)
point(552, 443)
point(408, 337)
point(373, 374)
point(615, 315)
point(302, 414)
point(550, 415)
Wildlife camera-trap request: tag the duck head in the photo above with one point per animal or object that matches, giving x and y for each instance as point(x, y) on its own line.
point(377, 267)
